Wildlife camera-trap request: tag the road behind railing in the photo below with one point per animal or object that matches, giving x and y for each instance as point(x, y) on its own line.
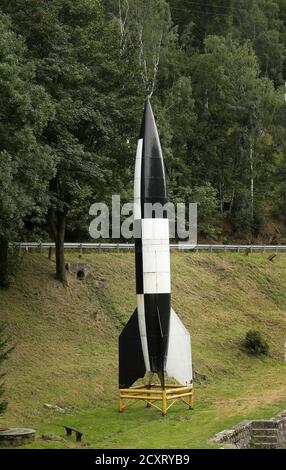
point(176, 246)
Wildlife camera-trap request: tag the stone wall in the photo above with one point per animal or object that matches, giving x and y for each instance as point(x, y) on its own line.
point(281, 425)
point(260, 434)
point(238, 437)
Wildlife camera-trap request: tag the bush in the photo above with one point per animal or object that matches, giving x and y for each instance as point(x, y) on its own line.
point(254, 343)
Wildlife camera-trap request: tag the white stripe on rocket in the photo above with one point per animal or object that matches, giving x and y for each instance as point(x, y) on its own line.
point(137, 181)
point(137, 216)
point(142, 329)
point(156, 256)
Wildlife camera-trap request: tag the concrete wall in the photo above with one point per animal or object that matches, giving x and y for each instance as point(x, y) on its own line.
point(260, 434)
point(281, 425)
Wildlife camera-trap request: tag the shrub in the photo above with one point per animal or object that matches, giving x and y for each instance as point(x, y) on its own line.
point(254, 343)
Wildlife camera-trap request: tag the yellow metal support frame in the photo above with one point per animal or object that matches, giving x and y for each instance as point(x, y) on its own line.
point(151, 394)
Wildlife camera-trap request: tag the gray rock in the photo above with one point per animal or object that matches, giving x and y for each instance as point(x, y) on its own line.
point(54, 408)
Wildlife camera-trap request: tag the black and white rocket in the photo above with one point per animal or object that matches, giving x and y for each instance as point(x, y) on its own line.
point(154, 340)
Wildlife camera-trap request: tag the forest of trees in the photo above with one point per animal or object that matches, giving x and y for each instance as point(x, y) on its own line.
point(74, 75)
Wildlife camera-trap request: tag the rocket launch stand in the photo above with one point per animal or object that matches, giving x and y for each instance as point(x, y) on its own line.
point(153, 394)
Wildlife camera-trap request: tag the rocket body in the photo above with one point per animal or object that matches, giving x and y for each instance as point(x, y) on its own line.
point(154, 340)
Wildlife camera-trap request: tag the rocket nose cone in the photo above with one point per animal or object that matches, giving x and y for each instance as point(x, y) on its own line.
point(153, 182)
point(148, 104)
point(147, 118)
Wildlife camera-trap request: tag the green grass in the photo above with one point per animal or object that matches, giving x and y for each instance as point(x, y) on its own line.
point(66, 348)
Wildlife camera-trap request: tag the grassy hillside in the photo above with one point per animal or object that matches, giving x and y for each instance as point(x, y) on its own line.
point(66, 347)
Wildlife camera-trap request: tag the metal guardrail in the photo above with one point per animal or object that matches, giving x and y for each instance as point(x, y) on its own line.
point(177, 246)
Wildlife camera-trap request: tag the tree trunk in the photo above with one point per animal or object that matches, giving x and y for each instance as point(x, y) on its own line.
point(251, 179)
point(4, 245)
point(221, 197)
point(60, 250)
point(232, 201)
point(58, 227)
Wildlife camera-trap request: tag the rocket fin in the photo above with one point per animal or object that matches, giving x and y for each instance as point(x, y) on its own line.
point(179, 357)
point(131, 360)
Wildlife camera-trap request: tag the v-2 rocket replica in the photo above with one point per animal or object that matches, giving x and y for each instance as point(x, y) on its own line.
point(154, 339)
